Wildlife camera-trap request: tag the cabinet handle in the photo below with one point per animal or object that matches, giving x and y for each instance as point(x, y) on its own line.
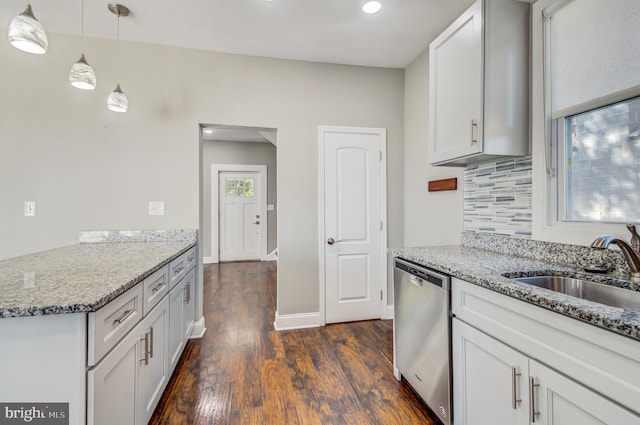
point(514, 390)
point(157, 287)
point(146, 348)
point(474, 126)
point(187, 293)
point(178, 270)
point(532, 399)
point(124, 316)
point(151, 342)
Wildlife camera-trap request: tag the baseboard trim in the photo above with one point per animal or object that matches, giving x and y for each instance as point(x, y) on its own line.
point(209, 260)
point(273, 256)
point(296, 321)
point(388, 312)
point(198, 329)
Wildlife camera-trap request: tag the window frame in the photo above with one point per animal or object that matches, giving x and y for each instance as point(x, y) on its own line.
point(546, 223)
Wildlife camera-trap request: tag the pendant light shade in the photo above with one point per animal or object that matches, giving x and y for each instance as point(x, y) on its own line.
point(117, 101)
point(27, 34)
point(82, 75)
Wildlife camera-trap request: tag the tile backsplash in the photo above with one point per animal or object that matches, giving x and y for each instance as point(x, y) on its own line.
point(497, 197)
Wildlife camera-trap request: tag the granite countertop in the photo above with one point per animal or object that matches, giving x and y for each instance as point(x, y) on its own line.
point(79, 278)
point(486, 268)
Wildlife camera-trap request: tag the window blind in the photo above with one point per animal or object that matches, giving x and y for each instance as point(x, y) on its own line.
point(594, 56)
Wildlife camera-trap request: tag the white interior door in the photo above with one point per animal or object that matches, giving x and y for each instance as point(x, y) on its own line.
point(353, 192)
point(240, 217)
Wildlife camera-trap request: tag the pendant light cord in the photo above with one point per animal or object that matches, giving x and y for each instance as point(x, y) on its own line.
point(82, 27)
point(118, 49)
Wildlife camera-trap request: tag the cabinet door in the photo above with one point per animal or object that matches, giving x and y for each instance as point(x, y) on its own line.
point(488, 377)
point(558, 400)
point(177, 298)
point(153, 372)
point(111, 385)
point(189, 303)
point(455, 89)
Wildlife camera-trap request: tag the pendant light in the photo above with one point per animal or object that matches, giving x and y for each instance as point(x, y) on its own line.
point(117, 101)
point(82, 75)
point(27, 34)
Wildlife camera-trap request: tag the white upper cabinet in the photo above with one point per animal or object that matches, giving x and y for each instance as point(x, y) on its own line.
point(479, 85)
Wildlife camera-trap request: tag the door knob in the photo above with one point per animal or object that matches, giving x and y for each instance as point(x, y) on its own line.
point(331, 241)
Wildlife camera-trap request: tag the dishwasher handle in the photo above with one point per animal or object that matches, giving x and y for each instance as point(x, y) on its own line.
point(416, 280)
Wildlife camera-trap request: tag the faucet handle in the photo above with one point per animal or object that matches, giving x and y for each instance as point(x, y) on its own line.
point(635, 238)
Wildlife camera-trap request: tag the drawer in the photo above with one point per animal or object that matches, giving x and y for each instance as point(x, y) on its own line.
point(109, 324)
point(155, 287)
point(179, 267)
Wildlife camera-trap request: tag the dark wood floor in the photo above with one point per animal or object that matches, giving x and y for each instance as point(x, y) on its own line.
point(244, 372)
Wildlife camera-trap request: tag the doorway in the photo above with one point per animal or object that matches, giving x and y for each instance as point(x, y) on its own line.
point(235, 149)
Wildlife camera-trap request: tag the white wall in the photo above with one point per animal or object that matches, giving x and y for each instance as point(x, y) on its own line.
point(430, 218)
point(90, 168)
point(249, 153)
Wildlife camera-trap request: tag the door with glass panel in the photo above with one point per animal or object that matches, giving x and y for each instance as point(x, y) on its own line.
point(239, 216)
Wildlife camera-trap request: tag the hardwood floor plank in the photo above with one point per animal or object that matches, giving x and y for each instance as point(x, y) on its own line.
point(244, 372)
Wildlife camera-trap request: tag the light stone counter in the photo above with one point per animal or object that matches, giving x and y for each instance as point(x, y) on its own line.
point(80, 278)
point(486, 269)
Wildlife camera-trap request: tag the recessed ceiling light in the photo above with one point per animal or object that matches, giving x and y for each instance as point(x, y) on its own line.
point(372, 7)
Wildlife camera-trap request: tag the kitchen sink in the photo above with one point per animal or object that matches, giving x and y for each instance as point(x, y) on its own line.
point(587, 290)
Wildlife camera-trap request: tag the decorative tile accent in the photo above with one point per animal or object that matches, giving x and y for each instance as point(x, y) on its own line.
point(119, 236)
point(497, 197)
point(558, 253)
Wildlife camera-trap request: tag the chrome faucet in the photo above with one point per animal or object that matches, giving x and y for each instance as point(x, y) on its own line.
point(631, 255)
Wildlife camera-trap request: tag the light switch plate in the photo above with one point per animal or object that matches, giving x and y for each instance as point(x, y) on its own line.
point(156, 207)
point(29, 208)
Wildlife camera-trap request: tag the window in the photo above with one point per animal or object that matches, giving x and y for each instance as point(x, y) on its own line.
point(585, 134)
point(239, 188)
point(599, 164)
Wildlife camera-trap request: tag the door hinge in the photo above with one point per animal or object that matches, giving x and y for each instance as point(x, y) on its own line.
point(381, 225)
point(380, 295)
point(380, 155)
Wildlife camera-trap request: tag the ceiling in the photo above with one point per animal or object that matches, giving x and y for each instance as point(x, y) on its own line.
point(333, 31)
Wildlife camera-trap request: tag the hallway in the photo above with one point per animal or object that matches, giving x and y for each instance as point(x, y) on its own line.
point(244, 372)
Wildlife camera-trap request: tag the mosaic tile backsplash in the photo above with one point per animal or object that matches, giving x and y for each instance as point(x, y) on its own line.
point(497, 198)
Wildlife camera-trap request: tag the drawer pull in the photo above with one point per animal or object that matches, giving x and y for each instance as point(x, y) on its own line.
point(178, 270)
point(145, 359)
point(190, 259)
point(124, 317)
point(532, 400)
point(514, 391)
point(158, 287)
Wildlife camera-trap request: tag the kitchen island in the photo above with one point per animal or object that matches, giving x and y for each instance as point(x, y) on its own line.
point(64, 313)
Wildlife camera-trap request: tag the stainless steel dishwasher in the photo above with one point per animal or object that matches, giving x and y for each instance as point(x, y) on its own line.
point(422, 333)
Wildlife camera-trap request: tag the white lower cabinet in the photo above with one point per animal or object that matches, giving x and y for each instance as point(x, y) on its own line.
point(125, 387)
point(487, 377)
point(111, 385)
point(496, 384)
point(557, 400)
point(181, 312)
point(153, 370)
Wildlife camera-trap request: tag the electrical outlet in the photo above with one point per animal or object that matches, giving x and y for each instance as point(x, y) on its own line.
point(156, 207)
point(29, 208)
